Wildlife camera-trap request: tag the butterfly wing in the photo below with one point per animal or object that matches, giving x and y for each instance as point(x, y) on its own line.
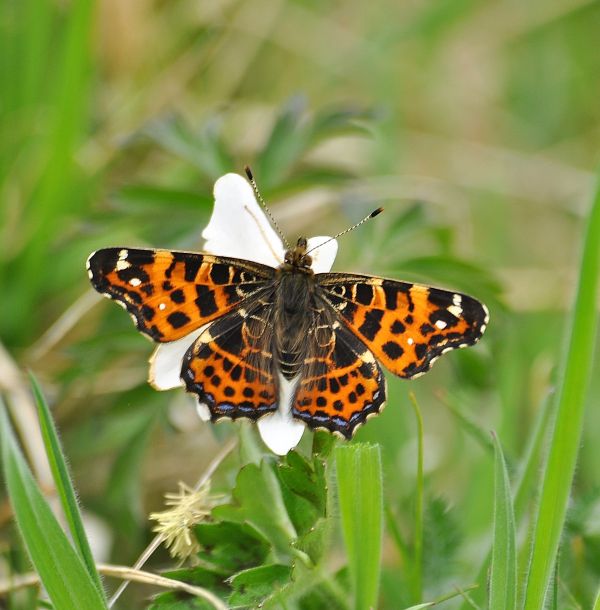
point(407, 326)
point(229, 366)
point(340, 383)
point(170, 294)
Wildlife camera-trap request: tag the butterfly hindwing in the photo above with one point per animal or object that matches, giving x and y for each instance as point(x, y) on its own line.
point(406, 326)
point(229, 366)
point(340, 384)
point(170, 294)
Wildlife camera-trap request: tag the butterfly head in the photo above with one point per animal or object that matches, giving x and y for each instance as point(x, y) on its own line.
point(296, 259)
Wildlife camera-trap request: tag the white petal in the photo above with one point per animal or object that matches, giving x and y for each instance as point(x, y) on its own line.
point(165, 362)
point(238, 227)
point(202, 410)
point(323, 256)
point(280, 431)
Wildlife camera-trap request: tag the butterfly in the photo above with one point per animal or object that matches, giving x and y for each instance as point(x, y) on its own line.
point(319, 338)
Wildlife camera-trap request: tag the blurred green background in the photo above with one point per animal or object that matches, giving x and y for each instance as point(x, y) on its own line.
point(475, 124)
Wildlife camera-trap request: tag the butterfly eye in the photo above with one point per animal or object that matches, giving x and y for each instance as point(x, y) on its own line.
point(307, 261)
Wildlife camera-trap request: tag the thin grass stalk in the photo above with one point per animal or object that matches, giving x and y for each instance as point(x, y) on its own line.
point(417, 579)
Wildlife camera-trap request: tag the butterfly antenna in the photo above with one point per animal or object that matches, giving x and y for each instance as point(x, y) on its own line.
point(371, 215)
point(264, 205)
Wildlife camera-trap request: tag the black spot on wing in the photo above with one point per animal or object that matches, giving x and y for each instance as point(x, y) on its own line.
point(420, 350)
point(364, 294)
point(205, 302)
point(392, 350)
point(177, 296)
point(219, 274)
point(177, 319)
point(397, 327)
point(372, 323)
point(441, 298)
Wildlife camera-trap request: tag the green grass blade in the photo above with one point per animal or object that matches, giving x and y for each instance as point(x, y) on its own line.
point(565, 440)
point(64, 486)
point(361, 505)
point(503, 576)
point(597, 602)
point(61, 570)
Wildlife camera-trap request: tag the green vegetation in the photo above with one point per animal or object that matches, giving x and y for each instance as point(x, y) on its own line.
point(477, 127)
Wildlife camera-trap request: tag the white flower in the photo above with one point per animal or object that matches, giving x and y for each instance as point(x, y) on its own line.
point(239, 228)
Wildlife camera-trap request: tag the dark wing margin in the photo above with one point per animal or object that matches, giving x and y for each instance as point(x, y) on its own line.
point(170, 294)
point(406, 326)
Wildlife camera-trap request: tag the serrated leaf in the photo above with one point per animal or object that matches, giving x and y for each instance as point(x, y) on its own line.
point(315, 541)
point(256, 499)
point(303, 488)
point(174, 601)
point(255, 585)
point(230, 546)
point(323, 444)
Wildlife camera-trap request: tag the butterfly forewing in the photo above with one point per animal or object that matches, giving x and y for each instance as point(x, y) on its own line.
point(170, 294)
point(406, 326)
point(230, 366)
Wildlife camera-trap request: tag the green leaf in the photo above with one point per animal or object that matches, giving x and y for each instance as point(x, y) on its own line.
point(315, 541)
point(441, 541)
point(597, 602)
point(231, 547)
point(257, 500)
point(204, 149)
point(361, 506)
point(286, 143)
point(566, 436)
point(503, 573)
point(173, 601)
point(256, 585)
point(64, 486)
point(62, 572)
point(304, 490)
point(323, 444)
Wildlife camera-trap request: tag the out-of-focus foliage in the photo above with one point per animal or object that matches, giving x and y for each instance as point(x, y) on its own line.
point(477, 127)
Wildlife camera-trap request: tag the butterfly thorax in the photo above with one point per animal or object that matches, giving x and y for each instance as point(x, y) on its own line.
point(296, 259)
point(294, 298)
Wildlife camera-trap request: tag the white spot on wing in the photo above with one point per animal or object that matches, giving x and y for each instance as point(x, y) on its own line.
point(162, 306)
point(441, 324)
point(410, 340)
point(455, 310)
point(135, 281)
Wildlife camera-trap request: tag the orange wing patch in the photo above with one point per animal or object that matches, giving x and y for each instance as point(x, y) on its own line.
point(339, 387)
point(406, 326)
point(229, 366)
point(170, 294)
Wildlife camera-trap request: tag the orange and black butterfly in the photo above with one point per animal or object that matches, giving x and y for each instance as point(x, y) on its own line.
point(324, 333)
